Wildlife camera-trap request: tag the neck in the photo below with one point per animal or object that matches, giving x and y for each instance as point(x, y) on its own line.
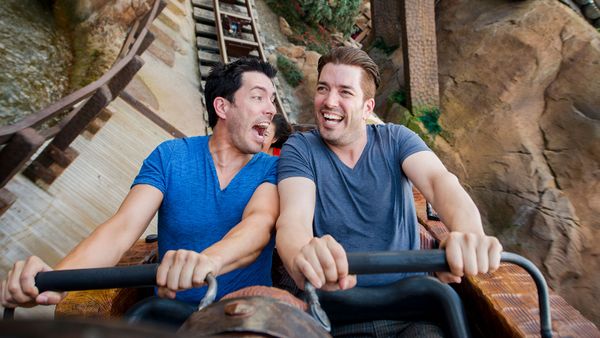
point(228, 159)
point(350, 153)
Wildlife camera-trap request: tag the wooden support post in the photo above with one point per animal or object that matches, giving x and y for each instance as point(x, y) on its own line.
point(7, 199)
point(17, 151)
point(420, 54)
point(57, 155)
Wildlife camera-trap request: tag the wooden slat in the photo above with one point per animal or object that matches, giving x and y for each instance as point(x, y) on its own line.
point(208, 58)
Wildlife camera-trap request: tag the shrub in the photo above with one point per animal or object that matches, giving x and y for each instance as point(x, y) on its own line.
point(338, 15)
point(289, 70)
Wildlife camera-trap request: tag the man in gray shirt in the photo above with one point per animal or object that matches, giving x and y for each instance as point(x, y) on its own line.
point(345, 187)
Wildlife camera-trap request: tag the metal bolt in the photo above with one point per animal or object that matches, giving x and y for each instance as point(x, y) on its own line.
point(239, 308)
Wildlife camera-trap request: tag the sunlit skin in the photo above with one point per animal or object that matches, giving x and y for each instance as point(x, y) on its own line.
point(340, 107)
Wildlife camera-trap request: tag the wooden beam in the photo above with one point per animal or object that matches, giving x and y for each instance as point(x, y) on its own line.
point(417, 18)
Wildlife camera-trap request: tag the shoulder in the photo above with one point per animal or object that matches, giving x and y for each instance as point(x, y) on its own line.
point(265, 159)
point(391, 129)
point(308, 140)
point(183, 145)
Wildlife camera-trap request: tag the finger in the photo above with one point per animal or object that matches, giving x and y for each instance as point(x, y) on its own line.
point(469, 251)
point(327, 263)
point(14, 285)
point(447, 277)
point(163, 268)
point(163, 292)
point(33, 265)
point(454, 255)
point(347, 282)
point(4, 296)
point(482, 250)
point(187, 272)
point(495, 253)
point(310, 256)
point(202, 268)
point(175, 270)
point(340, 258)
point(307, 272)
point(50, 297)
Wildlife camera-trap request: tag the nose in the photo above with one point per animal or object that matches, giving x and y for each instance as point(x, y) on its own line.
point(271, 108)
point(330, 100)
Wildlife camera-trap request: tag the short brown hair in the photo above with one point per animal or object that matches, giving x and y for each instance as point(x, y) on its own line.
point(354, 57)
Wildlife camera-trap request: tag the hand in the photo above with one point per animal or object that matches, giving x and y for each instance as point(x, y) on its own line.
point(469, 254)
point(324, 263)
point(19, 287)
point(183, 269)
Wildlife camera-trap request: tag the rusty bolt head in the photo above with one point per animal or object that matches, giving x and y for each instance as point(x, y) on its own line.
point(239, 308)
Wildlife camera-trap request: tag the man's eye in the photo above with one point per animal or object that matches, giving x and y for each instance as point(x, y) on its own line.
point(258, 98)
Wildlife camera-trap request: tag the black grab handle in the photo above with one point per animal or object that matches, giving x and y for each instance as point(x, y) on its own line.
point(435, 261)
point(97, 278)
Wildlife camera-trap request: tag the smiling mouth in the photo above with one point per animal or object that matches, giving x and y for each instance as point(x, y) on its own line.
point(331, 118)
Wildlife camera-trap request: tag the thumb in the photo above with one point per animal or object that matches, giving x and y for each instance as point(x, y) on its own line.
point(50, 297)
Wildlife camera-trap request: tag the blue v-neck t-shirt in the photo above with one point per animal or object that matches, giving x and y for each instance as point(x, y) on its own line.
point(196, 213)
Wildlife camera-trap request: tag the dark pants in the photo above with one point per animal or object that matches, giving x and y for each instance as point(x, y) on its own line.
point(388, 328)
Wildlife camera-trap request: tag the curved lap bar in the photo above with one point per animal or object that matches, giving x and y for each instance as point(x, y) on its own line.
point(411, 298)
point(167, 312)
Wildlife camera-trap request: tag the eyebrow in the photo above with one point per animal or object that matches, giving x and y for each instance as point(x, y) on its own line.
point(342, 86)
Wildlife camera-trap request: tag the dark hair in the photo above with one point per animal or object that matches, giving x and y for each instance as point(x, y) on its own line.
point(225, 80)
point(282, 130)
point(354, 57)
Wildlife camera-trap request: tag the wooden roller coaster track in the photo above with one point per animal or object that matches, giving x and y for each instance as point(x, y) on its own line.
point(225, 31)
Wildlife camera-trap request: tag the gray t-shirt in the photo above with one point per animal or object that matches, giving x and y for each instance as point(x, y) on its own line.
point(369, 207)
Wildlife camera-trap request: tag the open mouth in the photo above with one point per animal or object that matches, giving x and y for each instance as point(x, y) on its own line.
point(331, 118)
point(261, 128)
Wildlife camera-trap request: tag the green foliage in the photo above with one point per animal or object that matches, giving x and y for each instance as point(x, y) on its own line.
point(289, 70)
point(338, 16)
point(398, 96)
point(429, 116)
point(380, 44)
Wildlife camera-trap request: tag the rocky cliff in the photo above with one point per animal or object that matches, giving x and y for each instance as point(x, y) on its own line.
point(520, 101)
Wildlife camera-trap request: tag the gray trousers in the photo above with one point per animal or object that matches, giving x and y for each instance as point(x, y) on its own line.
point(388, 328)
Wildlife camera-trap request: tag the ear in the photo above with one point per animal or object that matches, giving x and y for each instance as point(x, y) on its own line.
point(274, 140)
point(368, 107)
point(221, 106)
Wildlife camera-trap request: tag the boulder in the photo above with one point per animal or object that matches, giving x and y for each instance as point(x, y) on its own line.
point(520, 102)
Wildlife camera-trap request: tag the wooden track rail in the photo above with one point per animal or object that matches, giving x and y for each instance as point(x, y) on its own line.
point(227, 30)
point(75, 112)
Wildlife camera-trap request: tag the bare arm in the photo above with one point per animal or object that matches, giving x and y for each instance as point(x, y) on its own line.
point(104, 247)
point(442, 189)
point(320, 260)
point(468, 250)
point(184, 269)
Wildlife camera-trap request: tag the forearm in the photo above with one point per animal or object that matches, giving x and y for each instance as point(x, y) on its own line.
point(101, 249)
point(240, 247)
point(455, 207)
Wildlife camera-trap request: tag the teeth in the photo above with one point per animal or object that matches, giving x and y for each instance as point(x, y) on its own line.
point(332, 117)
point(263, 125)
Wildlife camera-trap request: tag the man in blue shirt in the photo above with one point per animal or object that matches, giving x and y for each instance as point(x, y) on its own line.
point(216, 198)
point(347, 187)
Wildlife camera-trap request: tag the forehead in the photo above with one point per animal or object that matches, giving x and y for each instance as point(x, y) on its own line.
point(257, 81)
point(341, 76)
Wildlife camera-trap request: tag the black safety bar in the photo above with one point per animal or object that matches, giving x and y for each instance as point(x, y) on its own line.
point(359, 263)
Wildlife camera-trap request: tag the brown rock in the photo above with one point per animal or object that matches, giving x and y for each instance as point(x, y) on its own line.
point(285, 28)
point(521, 119)
point(292, 52)
point(312, 58)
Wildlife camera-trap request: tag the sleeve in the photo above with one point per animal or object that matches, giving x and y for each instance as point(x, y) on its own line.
point(294, 159)
point(271, 176)
point(153, 170)
point(407, 142)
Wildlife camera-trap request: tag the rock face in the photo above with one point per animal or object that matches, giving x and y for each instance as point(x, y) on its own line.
point(520, 89)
